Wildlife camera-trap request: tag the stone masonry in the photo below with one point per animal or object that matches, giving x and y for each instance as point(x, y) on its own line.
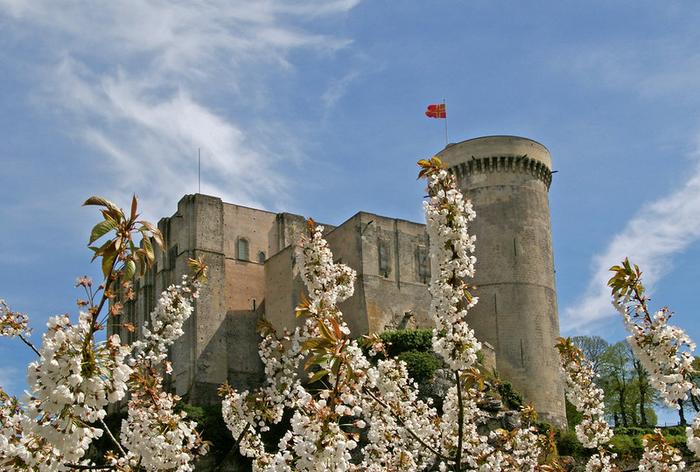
point(252, 273)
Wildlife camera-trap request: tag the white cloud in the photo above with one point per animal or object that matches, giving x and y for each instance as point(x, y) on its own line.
point(138, 80)
point(337, 89)
point(657, 232)
point(665, 66)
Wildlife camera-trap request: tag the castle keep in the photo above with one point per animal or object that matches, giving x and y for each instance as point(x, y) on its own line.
point(252, 274)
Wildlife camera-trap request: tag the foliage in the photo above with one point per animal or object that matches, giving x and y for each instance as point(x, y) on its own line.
point(573, 416)
point(593, 431)
point(593, 347)
point(415, 348)
point(509, 396)
point(627, 446)
point(348, 413)
point(568, 444)
point(402, 340)
point(420, 365)
point(211, 427)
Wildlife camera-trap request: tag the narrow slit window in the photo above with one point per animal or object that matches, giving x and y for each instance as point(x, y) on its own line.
point(243, 249)
point(383, 249)
point(261, 257)
point(422, 264)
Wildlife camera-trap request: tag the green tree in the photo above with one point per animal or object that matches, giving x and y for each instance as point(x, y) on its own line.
point(616, 380)
point(593, 347)
point(646, 395)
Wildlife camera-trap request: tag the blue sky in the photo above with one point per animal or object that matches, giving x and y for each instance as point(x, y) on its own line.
point(317, 108)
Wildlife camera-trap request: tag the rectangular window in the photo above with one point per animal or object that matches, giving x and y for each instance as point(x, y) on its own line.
point(242, 249)
point(423, 264)
point(383, 251)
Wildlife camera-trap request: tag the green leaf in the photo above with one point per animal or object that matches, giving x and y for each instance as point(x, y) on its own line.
point(107, 262)
point(102, 249)
point(335, 366)
point(325, 331)
point(148, 248)
point(100, 201)
point(102, 228)
point(318, 376)
point(315, 343)
point(129, 270)
point(316, 359)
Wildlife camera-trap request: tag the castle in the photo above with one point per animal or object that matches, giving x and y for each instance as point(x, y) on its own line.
point(252, 273)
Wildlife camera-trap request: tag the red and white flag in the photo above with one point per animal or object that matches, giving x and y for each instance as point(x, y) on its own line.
point(436, 110)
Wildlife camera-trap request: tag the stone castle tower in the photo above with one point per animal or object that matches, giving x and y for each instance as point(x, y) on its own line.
point(252, 274)
point(507, 178)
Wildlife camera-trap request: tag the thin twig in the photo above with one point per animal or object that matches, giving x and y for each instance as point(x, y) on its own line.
point(29, 343)
point(88, 467)
point(240, 436)
point(111, 436)
point(460, 420)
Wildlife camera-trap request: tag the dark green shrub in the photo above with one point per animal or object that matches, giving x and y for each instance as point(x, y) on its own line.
point(573, 416)
point(568, 444)
point(674, 431)
point(211, 426)
point(511, 399)
point(627, 446)
point(633, 431)
point(421, 365)
point(403, 340)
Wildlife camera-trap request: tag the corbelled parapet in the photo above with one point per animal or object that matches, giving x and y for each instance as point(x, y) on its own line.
point(507, 179)
point(499, 154)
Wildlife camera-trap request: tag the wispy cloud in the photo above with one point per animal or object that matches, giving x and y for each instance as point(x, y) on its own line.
point(337, 89)
point(665, 66)
point(137, 80)
point(657, 232)
point(662, 66)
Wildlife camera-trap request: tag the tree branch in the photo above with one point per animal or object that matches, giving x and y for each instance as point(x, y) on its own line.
point(111, 436)
point(402, 423)
point(460, 420)
point(29, 343)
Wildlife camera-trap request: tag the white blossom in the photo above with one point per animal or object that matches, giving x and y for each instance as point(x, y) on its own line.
point(451, 253)
point(72, 382)
point(659, 456)
point(665, 351)
point(156, 437)
point(12, 323)
point(593, 431)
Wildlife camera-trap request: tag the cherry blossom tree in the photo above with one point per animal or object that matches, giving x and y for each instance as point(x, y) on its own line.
point(76, 375)
point(666, 353)
point(350, 406)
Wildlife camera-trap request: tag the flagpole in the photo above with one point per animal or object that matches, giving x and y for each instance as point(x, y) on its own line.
point(444, 104)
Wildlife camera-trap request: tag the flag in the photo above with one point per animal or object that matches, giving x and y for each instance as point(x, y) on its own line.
point(436, 111)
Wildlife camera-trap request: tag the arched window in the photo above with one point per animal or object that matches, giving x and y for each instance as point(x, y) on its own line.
point(242, 249)
point(261, 257)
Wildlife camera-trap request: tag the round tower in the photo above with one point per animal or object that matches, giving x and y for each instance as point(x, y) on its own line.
point(507, 179)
